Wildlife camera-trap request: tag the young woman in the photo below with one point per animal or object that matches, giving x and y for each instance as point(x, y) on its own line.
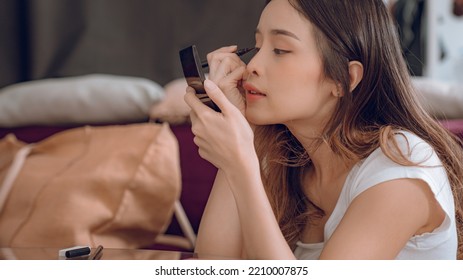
point(321, 147)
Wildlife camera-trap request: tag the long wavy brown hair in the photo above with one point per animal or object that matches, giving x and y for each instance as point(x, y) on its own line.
point(365, 119)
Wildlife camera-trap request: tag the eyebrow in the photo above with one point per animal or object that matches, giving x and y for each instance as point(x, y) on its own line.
point(280, 32)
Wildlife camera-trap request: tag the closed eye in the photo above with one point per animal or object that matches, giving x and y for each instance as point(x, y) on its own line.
point(280, 52)
point(276, 51)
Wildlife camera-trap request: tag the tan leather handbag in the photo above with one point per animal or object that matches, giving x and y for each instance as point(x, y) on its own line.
point(113, 185)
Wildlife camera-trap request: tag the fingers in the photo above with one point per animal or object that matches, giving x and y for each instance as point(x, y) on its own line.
point(233, 77)
point(216, 94)
point(228, 49)
point(226, 73)
point(221, 67)
point(198, 109)
point(222, 62)
point(192, 100)
point(231, 48)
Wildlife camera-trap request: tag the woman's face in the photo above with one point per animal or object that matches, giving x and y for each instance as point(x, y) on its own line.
point(284, 81)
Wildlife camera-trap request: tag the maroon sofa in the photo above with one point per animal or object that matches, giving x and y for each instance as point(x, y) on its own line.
point(455, 126)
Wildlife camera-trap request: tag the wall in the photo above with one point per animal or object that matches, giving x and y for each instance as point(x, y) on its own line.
point(59, 38)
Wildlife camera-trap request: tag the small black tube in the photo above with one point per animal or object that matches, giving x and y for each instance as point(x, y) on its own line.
point(77, 252)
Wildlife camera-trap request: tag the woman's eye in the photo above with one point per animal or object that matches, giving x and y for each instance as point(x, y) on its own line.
point(279, 51)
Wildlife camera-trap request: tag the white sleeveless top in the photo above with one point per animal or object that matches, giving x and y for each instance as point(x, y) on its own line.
point(377, 168)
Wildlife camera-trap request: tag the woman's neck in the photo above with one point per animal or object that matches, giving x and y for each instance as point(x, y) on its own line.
point(326, 166)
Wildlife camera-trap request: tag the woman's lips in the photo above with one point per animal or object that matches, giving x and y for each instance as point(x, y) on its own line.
point(252, 93)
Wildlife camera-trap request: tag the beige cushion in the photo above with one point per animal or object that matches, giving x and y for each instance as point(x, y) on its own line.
point(440, 99)
point(89, 99)
point(172, 109)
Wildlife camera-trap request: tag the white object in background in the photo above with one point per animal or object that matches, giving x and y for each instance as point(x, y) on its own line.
point(444, 33)
point(432, 40)
point(458, 65)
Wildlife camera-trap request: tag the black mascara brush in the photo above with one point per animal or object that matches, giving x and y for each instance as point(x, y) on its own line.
point(239, 52)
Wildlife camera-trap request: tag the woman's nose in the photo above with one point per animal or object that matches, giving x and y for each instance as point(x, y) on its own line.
point(252, 67)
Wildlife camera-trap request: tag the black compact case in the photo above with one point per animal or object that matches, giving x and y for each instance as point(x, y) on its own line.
point(194, 75)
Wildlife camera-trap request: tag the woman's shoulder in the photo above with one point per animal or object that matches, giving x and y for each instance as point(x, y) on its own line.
point(407, 156)
point(379, 170)
point(403, 145)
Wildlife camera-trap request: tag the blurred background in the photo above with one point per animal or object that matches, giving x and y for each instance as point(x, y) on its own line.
point(69, 39)
point(431, 34)
point(60, 38)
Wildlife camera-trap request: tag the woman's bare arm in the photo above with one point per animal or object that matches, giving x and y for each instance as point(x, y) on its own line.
point(381, 220)
point(220, 231)
point(262, 237)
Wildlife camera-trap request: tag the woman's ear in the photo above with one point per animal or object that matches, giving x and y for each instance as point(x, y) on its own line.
point(355, 74)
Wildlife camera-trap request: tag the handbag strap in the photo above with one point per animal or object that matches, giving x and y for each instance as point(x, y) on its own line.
point(184, 223)
point(12, 173)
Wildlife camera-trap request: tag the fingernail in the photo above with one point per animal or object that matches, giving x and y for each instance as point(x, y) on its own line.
point(208, 84)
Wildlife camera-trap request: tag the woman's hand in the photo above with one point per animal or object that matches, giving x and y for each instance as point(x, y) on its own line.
point(226, 70)
point(225, 139)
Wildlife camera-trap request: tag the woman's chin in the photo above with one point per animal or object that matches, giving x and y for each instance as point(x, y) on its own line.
point(256, 119)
